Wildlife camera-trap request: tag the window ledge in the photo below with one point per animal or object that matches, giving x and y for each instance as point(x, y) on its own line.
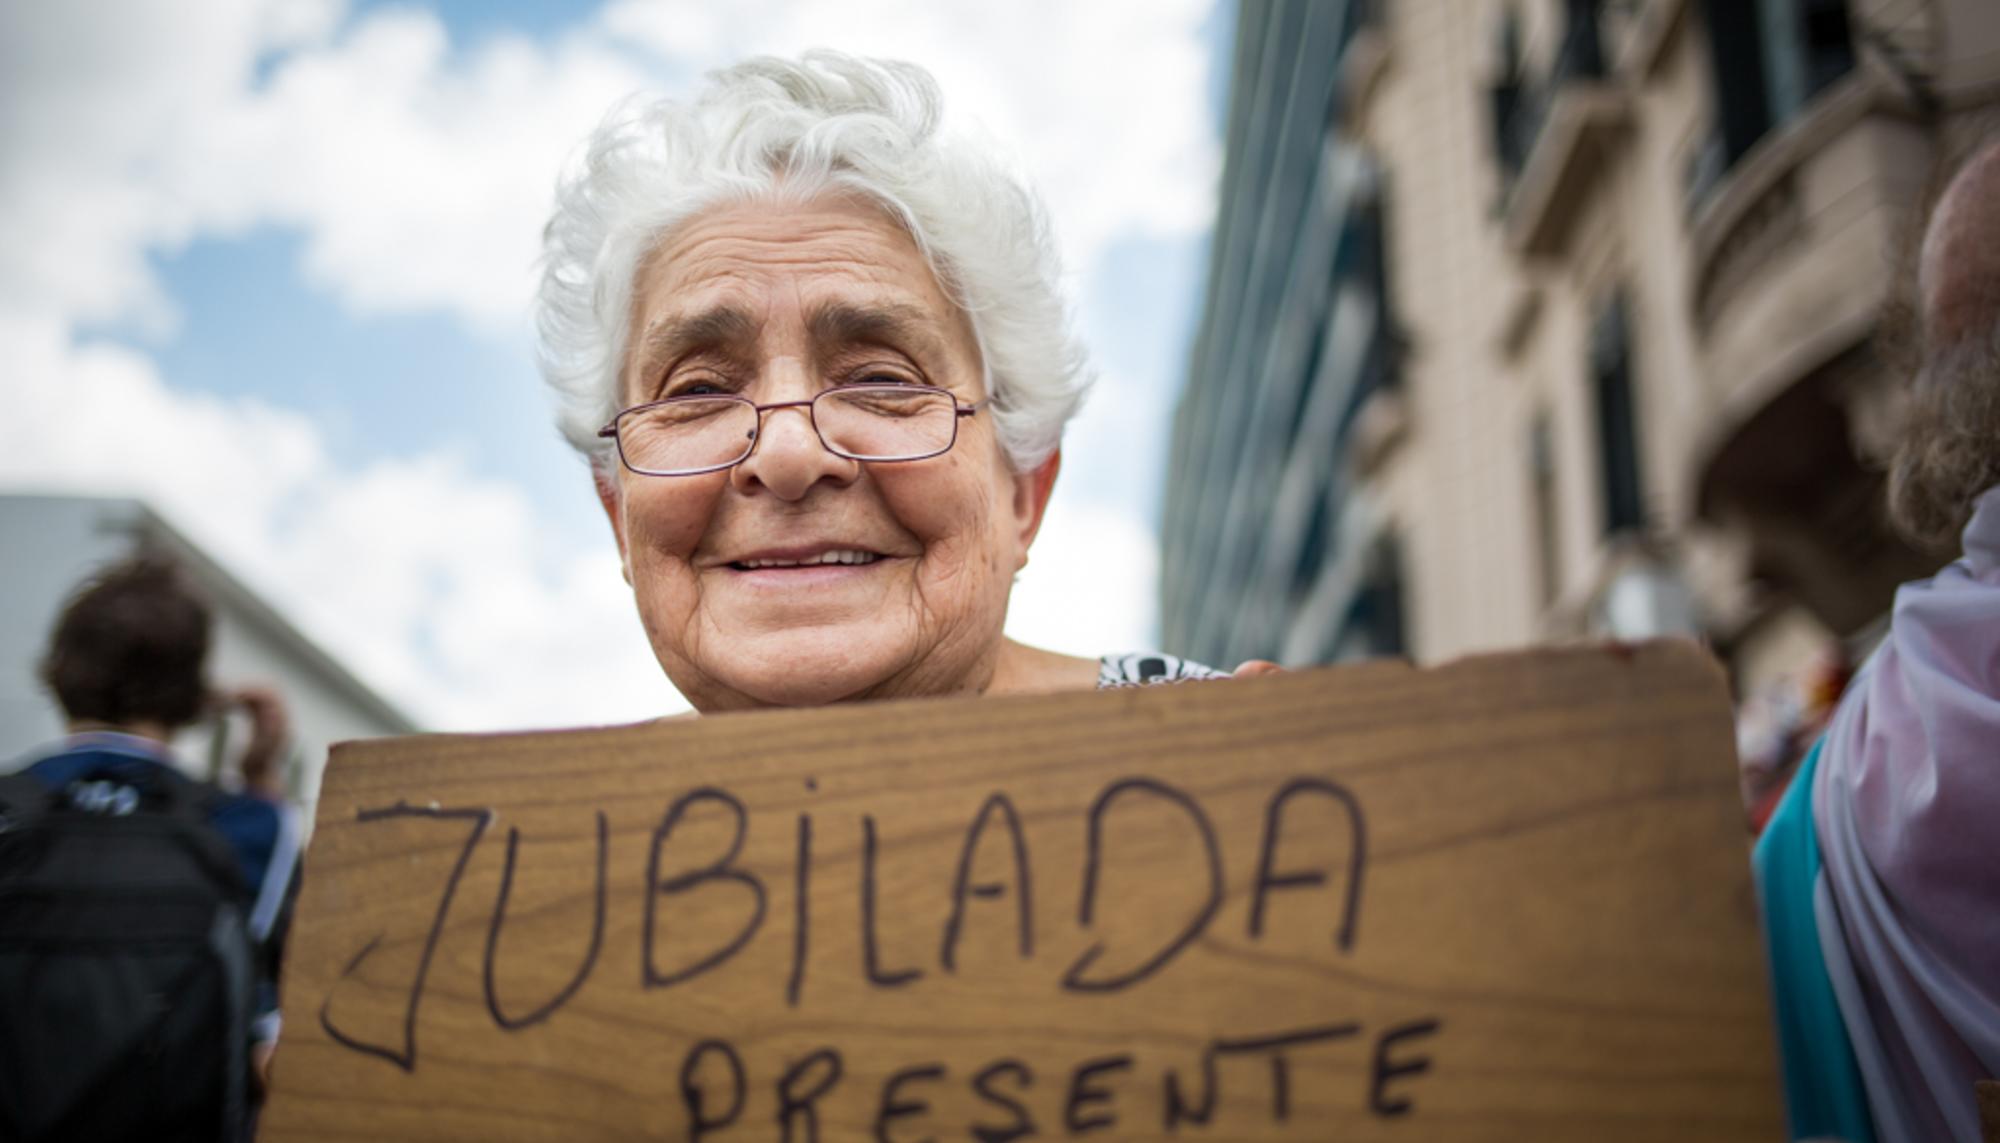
point(1363, 63)
point(1380, 425)
point(1584, 121)
point(1647, 47)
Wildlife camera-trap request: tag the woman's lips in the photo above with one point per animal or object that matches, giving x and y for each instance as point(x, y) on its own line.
point(845, 557)
point(822, 568)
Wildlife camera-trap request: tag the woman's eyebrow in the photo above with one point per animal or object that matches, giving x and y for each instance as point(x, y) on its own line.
point(676, 337)
point(885, 323)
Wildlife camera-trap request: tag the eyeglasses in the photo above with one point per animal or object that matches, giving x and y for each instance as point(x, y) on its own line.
point(708, 432)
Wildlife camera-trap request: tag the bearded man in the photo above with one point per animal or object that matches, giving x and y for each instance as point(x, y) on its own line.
point(1880, 872)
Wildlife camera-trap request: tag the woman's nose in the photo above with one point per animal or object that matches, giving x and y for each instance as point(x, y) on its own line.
point(787, 458)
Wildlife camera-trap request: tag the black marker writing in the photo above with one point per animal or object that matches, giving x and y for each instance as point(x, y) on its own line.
point(1024, 885)
point(1176, 1109)
point(871, 953)
point(500, 1017)
point(405, 1057)
point(1267, 856)
point(721, 869)
point(701, 1120)
point(1386, 1070)
point(1093, 856)
point(893, 1106)
point(1083, 1094)
point(801, 910)
point(1281, 1077)
point(794, 1104)
point(982, 1083)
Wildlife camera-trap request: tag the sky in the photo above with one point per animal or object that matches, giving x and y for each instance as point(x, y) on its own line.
point(269, 266)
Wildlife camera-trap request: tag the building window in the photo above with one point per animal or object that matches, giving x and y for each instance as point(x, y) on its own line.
point(1828, 44)
point(1511, 138)
point(1520, 102)
point(1360, 267)
point(1542, 477)
point(1374, 626)
point(1313, 548)
point(1582, 53)
point(1309, 374)
point(1368, 268)
point(1617, 419)
point(1742, 104)
point(1770, 57)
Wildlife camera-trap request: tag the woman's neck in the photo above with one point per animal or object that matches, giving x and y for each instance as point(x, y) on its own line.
point(1022, 669)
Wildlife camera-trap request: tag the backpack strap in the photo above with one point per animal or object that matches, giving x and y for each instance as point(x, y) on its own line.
point(194, 804)
point(24, 799)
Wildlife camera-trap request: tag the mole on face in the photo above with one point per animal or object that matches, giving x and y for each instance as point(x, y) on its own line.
point(1959, 271)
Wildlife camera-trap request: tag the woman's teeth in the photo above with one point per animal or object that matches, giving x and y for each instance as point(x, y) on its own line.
point(810, 561)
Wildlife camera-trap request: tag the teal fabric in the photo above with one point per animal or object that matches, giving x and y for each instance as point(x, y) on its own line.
point(1823, 1092)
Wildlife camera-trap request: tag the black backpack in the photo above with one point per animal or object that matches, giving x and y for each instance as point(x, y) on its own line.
point(126, 965)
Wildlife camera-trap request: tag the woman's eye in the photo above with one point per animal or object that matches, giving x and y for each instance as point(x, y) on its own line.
point(693, 389)
point(882, 379)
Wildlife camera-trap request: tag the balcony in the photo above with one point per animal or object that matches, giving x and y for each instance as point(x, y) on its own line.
point(1553, 136)
point(1791, 252)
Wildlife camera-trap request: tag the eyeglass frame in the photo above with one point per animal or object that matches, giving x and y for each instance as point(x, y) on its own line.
point(610, 429)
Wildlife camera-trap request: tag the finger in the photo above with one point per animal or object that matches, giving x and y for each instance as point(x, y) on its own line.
point(1251, 668)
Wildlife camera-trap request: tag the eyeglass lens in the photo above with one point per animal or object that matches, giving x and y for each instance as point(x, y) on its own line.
point(863, 422)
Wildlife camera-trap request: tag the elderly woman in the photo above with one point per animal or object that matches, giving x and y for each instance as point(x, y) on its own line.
point(815, 352)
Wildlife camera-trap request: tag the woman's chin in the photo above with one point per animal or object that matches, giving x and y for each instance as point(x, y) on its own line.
point(802, 668)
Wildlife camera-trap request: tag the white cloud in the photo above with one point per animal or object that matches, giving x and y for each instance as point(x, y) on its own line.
point(1103, 101)
point(1088, 587)
point(419, 174)
point(425, 579)
point(420, 180)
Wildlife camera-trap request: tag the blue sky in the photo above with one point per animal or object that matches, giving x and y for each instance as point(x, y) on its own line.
point(374, 384)
point(299, 236)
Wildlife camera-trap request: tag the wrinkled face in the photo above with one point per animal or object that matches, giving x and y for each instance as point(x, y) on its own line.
point(779, 304)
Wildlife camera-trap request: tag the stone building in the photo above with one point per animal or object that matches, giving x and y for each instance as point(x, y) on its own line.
point(1602, 359)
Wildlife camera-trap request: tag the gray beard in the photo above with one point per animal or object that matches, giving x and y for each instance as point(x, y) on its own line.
point(1948, 451)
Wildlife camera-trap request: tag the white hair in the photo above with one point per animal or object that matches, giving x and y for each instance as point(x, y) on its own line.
point(788, 131)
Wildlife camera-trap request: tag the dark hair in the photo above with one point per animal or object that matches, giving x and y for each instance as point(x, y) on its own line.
point(130, 646)
point(1947, 447)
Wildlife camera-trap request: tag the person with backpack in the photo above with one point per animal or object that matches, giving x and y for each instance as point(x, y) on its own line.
point(142, 912)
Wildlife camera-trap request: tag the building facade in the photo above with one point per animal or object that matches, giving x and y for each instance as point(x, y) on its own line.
point(1635, 258)
point(50, 544)
point(1266, 551)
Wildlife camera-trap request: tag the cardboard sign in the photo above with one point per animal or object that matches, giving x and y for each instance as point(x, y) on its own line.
point(1504, 899)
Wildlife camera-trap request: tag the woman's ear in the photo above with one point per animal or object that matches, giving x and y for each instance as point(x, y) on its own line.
point(1031, 499)
point(612, 498)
